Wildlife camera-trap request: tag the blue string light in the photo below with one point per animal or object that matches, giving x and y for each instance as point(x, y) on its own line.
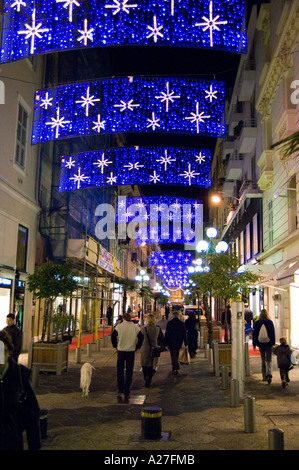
point(32, 27)
point(170, 258)
point(136, 165)
point(175, 105)
point(161, 219)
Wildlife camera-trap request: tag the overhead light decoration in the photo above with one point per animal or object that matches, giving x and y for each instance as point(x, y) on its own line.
point(160, 219)
point(42, 26)
point(136, 165)
point(171, 266)
point(170, 257)
point(141, 104)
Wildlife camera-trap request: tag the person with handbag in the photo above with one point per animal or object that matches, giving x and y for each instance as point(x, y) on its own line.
point(19, 409)
point(150, 350)
point(175, 335)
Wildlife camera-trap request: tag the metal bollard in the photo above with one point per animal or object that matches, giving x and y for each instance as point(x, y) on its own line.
point(206, 350)
point(98, 345)
point(89, 349)
point(78, 355)
point(234, 393)
point(210, 356)
point(43, 420)
point(249, 414)
point(275, 439)
point(34, 376)
point(151, 426)
point(224, 377)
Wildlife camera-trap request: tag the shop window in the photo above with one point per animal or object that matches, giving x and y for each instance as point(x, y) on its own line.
point(22, 248)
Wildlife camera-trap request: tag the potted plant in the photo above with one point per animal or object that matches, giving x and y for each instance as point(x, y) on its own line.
point(49, 281)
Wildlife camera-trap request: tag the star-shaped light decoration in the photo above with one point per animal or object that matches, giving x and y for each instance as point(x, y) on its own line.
point(18, 4)
point(154, 178)
point(155, 30)
point(153, 122)
point(123, 105)
point(211, 23)
point(57, 122)
point(98, 124)
point(111, 179)
point(102, 163)
point(79, 178)
point(133, 166)
point(168, 96)
point(200, 158)
point(70, 163)
point(197, 117)
point(189, 174)
point(33, 31)
point(211, 94)
point(46, 101)
point(121, 6)
point(166, 160)
point(85, 33)
point(87, 101)
point(69, 4)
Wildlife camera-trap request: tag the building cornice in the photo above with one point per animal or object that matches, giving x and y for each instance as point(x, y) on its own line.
point(25, 200)
point(281, 62)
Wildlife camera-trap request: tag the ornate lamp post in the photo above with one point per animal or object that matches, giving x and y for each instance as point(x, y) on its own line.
point(142, 277)
point(207, 249)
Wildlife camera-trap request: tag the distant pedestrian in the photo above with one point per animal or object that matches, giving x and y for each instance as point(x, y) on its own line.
point(226, 320)
point(167, 310)
point(127, 338)
point(175, 335)
point(192, 327)
point(15, 334)
point(248, 314)
point(151, 334)
point(284, 363)
point(109, 315)
point(264, 337)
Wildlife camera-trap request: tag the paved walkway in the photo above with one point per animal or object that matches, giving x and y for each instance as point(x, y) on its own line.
point(196, 411)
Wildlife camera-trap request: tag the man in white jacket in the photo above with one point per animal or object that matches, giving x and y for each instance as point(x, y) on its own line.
point(127, 338)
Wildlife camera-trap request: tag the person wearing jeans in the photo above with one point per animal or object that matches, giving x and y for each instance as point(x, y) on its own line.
point(264, 345)
point(127, 338)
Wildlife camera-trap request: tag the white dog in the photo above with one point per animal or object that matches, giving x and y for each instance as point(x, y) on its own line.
point(85, 378)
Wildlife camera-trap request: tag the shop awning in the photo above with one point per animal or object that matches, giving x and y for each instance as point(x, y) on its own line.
point(272, 278)
point(289, 275)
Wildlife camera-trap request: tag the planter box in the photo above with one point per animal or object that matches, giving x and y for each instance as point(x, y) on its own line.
point(222, 356)
point(49, 357)
point(204, 334)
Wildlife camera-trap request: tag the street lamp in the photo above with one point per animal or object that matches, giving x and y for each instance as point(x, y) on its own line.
point(207, 249)
point(142, 277)
point(216, 198)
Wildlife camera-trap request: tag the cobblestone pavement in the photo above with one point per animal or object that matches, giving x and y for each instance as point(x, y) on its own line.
point(197, 413)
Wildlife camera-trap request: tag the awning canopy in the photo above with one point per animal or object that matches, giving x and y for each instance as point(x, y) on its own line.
point(278, 273)
point(289, 275)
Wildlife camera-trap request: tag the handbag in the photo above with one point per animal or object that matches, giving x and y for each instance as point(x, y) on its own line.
point(185, 357)
point(155, 350)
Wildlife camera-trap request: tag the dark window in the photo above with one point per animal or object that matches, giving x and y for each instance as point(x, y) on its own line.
point(22, 248)
point(21, 136)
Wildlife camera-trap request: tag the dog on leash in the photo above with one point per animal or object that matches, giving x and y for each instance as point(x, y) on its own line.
point(85, 378)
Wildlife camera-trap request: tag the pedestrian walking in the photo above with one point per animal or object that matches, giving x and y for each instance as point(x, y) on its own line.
point(175, 335)
point(109, 315)
point(15, 334)
point(248, 314)
point(127, 338)
point(284, 363)
point(226, 320)
point(151, 338)
point(15, 387)
point(264, 338)
point(167, 310)
point(192, 327)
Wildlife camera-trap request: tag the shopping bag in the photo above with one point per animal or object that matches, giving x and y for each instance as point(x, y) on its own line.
point(184, 357)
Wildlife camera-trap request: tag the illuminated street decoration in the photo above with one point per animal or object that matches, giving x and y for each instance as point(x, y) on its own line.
point(170, 258)
point(137, 165)
point(161, 219)
point(41, 26)
point(156, 104)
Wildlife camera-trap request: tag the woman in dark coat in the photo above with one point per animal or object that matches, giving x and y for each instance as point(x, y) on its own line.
point(192, 327)
point(11, 422)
